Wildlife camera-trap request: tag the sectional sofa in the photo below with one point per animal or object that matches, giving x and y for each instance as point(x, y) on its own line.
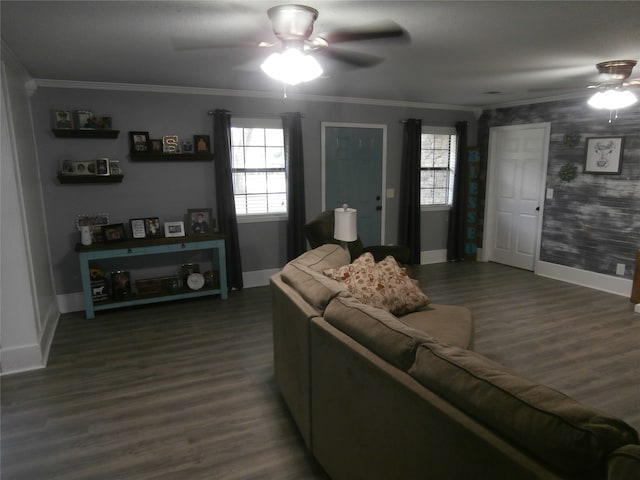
point(378, 395)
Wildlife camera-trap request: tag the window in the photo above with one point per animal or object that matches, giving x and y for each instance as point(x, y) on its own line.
point(258, 167)
point(437, 166)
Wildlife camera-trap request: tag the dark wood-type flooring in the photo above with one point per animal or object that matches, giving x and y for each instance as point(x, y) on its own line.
point(186, 390)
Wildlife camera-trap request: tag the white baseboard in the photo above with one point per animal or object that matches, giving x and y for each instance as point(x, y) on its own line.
point(433, 256)
point(71, 302)
point(606, 283)
point(21, 358)
point(258, 278)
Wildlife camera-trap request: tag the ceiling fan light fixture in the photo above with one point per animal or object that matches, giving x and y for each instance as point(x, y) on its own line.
point(612, 99)
point(291, 67)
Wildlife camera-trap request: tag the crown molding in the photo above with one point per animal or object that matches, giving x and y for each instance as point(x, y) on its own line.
point(555, 98)
point(135, 87)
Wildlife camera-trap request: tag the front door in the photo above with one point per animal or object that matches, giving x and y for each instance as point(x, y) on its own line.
point(353, 158)
point(517, 172)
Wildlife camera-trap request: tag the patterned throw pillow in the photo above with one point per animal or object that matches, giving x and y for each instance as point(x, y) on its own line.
point(384, 284)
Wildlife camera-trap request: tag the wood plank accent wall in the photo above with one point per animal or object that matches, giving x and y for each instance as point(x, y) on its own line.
point(593, 222)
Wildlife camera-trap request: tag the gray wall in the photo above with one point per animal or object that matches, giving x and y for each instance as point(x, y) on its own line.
point(593, 222)
point(168, 189)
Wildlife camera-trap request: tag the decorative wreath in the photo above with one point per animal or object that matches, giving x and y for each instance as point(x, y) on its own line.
point(568, 172)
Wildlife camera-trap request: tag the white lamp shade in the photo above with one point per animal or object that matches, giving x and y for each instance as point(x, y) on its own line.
point(291, 67)
point(612, 99)
point(346, 221)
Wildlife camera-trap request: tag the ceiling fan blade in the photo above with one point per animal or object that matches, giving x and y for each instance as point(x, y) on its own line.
point(387, 29)
point(355, 59)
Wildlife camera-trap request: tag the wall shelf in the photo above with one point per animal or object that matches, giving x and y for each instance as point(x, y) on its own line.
point(85, 133)
point(171, 157)
point(90, 178)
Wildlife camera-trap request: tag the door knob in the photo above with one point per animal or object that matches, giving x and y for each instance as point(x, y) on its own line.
point(379, 207)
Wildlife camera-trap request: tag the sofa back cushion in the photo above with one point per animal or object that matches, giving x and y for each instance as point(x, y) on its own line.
point(569, 437)
point(376, 329)
point(304, 274)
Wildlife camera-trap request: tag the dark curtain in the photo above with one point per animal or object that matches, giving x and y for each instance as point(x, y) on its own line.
point(226, 207)
point(456, 234)
point(409, 217)
point(294, 160)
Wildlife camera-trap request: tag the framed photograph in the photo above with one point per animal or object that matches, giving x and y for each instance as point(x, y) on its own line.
point(139, 142)
point(101, 122)
point(137, 228)
point(152, 227)
point(83, 119)
point(67, 167)
point(62, 119)
point(102, 166)
point(113, 232)
point(200, 221)
point(202, 143)
point(174, 229)
point(603, 155)
point(84, 167)
point(187, 146)
point(155, 145)
point(94, 221)
point(114, 167)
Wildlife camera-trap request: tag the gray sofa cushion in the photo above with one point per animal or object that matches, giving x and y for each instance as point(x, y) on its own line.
point(376, 329)
point(446, 323)
point(323, 257)
point(304, 274)
point(569, 437)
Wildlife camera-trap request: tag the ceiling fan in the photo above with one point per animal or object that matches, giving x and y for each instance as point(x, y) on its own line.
point(293, 26)
point(616, 74)
point(611, 94)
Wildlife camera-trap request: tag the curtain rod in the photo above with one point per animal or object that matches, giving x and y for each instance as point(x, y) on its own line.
point(252, 114)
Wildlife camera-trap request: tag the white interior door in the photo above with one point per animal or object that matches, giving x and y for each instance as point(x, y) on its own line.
point(517, 171)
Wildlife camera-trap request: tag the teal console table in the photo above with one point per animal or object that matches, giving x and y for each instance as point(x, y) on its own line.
point(154, 246)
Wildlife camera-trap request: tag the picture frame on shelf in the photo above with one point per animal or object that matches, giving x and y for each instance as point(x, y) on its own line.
point(139, 142)
point(94, 221)
point(202, 143)
point(138, 229)
point(114, 233)
point(155, 145)
point(174, 229)
point(152, 227)
point(67, 167)
point(104, 123)
point(84, 167)
point(114, 167)
point(102, 166)
point(82, 119)
point(603, 155)
point(170, 144)
point(187, 146)
point(200, 221)
point(63, 119)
